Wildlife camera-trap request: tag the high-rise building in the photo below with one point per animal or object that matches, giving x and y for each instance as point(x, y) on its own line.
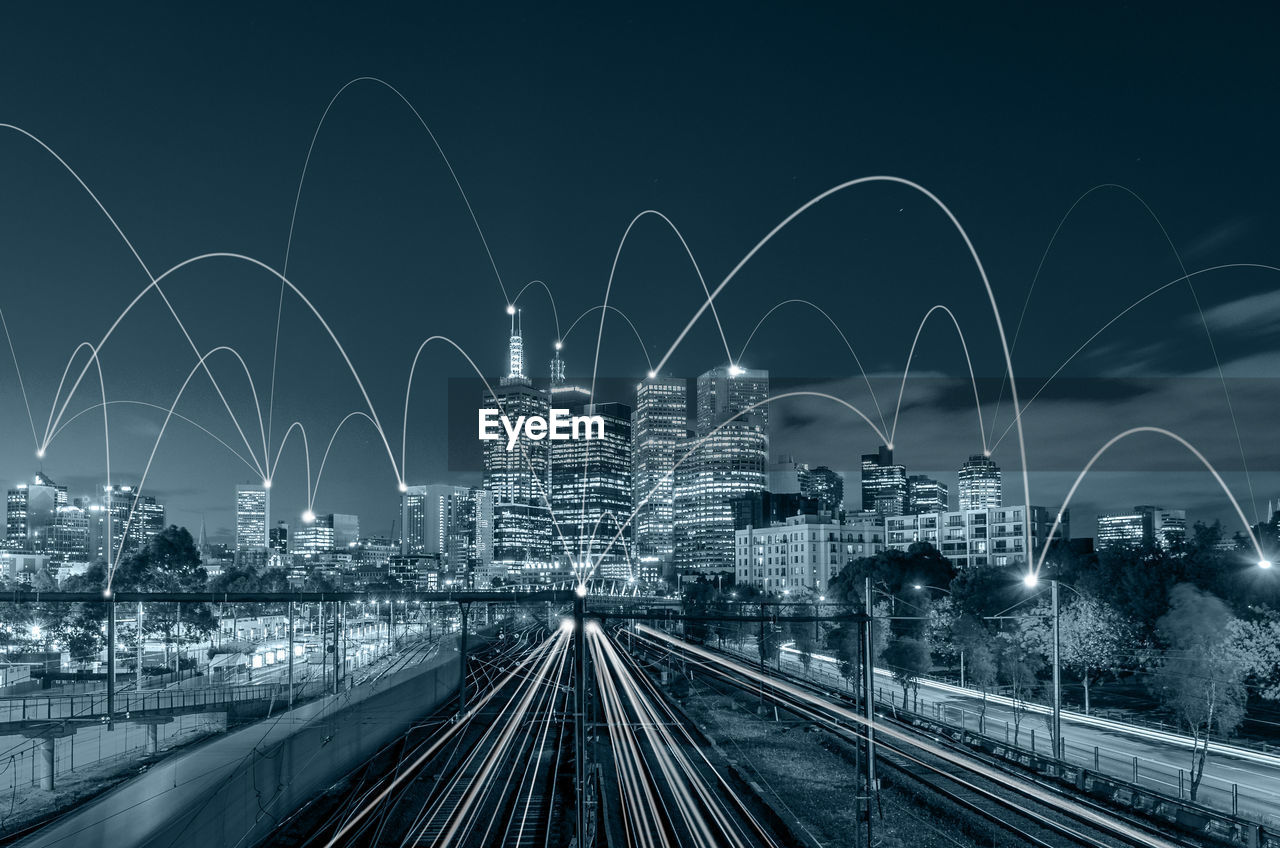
point(1150, 526)
point(518, 478)
point(591, 494)
point(728, 458)
point(454, 523)
point(979, 484)
point(31, 509)
point(924, 494)
point(658, 428)
point(884, 485)
point(253, 509)
point(326, 533)
point(764, 509)
point(825, 486)
point(122, 522)
point(278, 538)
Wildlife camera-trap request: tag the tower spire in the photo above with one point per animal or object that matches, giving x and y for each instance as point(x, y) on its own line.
point(515, 350)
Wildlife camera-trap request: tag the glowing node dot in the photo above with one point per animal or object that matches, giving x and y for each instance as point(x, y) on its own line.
point(40, 453)
point(308, 516)
point(652, 374)
point(987, 454)
point(266, 484)
point(511, 309)
point(581, 591)
point(558, 345)
point(889, 446)
point(403, 487)
point(1030, 581)
point(1264, 563)
point(735, 370)
point(106, 593)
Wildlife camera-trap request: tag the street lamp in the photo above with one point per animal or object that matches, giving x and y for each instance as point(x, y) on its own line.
point(1031, 580)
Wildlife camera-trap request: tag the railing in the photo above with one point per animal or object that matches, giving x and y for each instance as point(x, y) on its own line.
point(64, 707)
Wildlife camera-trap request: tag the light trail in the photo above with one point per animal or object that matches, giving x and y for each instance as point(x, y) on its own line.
point(565, 338)
point(1116, 318)
point(982, 429)
point(1057, 521)
point(973, 253)
point(293, 217)
point(709, 303)
point(555, 314)
point(411, 769)
point(14, 353)
point(865, 378)
point(1194, 297)
point(881, 730)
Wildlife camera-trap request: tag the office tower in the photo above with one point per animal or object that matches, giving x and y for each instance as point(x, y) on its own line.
point(728, 390)
point(784, 475)
point(979, 485)
point(68, 536)
point(884, 485)
point(591, 493)
point(517, 478)
point(764, 509)
point(253, 508)
point(333, 531)
point(31, 509)
point(1151, 526)
point(123, 522)
point(729, 459)
point(924, 494)
point(278, 539)
point(825, 486)
point(657, 430)
point(453, 522)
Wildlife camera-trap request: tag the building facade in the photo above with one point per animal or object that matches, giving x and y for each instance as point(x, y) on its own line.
point(884, 485)
point(979, 483)
point(802, 554)
point(253, 511)
point(591, 492)
point(658, 428)
point(977, 538)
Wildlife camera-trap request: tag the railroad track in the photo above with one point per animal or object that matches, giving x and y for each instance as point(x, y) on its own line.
point(1025, 808)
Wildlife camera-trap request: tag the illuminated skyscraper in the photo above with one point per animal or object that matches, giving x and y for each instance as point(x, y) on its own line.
point(591, 494)
point(517, 478)
point(884, 485)
point(980, 486)
point(658, 428)
point(924, 495)
point(454, 523)
point(253, 508)
point(729, 460)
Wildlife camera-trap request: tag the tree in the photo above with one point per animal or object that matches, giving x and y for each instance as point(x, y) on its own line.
point(1094, 638)
point(169, 563)
point(1201, 680)
point(802, 634)
point(908, 658)
point(972, 639)
point(846, 643)
point(1019, 662)
point(1256, 642)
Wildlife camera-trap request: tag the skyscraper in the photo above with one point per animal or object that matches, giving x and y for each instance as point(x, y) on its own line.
point(657, 430)
point(1145, 525)
point(123, 522)
point(454, 523)
point(253, 509)
point(517, 478)
point(591, 494)
point(980, 486)
point(729, 459)
point(884, 485)
point(925, 495)
point(825, 486)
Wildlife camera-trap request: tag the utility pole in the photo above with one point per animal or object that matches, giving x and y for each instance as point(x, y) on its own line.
point(579, 713)
point(111, 660)
point(138, 684)
point(337, 625)
point(291, 654)
point(869, 684)
point(1057, 680)
point(462, 651)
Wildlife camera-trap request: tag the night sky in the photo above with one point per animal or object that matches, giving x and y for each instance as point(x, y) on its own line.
point(192, 127)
